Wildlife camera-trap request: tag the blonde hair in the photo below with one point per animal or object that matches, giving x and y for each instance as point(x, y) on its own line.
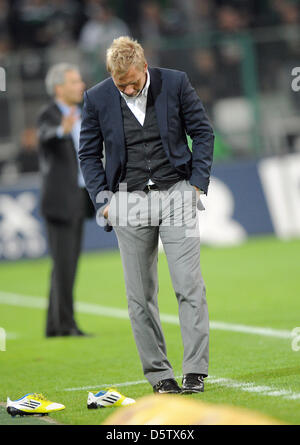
point(122, 54)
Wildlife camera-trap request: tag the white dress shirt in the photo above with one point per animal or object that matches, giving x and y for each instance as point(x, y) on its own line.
point(138, 104)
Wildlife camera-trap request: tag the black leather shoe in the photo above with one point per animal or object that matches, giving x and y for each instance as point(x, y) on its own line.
point(192, 383)
point(75, 332)
point(167, 386)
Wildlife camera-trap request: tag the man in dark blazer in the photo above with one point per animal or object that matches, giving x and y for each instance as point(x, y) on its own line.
point(141, 116)
point(64, 199)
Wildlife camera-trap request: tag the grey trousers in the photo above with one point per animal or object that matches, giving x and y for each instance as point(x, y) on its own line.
point(172, 216)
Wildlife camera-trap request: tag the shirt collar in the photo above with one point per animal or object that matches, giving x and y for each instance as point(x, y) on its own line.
point(64, 108)
point(144, 91)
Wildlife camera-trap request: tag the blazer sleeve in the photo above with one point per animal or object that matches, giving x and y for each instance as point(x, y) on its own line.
point(91, 152)
point(47, 131)
point(200, 131)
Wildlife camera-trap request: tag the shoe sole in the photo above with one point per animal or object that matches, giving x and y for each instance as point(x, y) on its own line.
point(191, 391)
point(167, 392)
point(94, 405)
point(17, 412)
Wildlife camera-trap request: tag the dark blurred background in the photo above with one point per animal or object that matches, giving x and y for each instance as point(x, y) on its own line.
point(238, 54)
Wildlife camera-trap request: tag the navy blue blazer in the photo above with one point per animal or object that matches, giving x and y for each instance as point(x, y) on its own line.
point(179, 112)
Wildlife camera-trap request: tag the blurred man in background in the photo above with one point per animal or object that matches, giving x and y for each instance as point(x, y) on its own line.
point(64, 199)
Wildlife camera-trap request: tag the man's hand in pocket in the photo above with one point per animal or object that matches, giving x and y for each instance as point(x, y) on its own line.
point(105, 212)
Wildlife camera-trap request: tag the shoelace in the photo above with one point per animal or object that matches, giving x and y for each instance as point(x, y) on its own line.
point(102, 392)
point(111, 389)
point(36, 396)
point(114, 390)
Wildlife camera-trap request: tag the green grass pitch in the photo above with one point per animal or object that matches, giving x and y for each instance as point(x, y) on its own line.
point(256, 284)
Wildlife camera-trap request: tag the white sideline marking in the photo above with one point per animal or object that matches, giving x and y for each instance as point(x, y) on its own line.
point(108, 385)
point(267, 332)
point(252, 387)
point(41, 303)
point(224, 382)
point(12, 335)
point(106, 311)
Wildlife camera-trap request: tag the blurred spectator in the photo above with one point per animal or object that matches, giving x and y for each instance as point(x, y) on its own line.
point(229, 57)
point(66, 20)
point(229, 52)
point(38, 23)
point(4, 16)
point(204, 76)
point(230, 19)
point(90, 6)
point(5, 122)
point(199, 14)
point(285, 11)
point(129, 11)
point(27, 159)
point(5, 48)
point(32, 25)
point(5, 35)
point(277, 58)
point(288, 13)
point(101, 28)
point(156, 22)
point(151, 22)
point(149, 30)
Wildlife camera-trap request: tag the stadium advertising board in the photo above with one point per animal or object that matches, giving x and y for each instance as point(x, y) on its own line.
point(245, 199)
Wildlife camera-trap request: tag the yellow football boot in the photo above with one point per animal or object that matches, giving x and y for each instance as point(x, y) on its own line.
point(107, 398)
point(31, 404)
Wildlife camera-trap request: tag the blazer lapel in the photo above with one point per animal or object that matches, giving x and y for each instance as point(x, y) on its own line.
point(116, 117)
point(56, 111)
point(160, 103)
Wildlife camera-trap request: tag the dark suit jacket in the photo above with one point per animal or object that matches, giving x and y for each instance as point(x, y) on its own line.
point(179, 111)
point(61, 198)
